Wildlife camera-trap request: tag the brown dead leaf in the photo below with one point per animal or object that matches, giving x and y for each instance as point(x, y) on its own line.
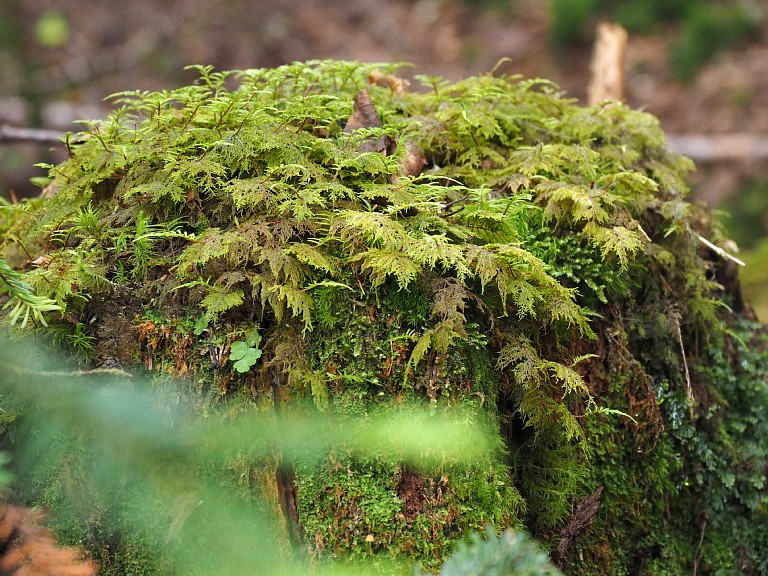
point(364, 115)
point(41, 260)
point(413, 161)
point(50, 191)
point(31, 550)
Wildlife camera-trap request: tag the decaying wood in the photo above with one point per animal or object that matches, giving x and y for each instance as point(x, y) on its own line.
point(581, 518)
point(285, 480)
point(289, 501)
point(607, 82)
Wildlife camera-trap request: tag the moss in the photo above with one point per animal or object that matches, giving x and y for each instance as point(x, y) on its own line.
point(256, 246)
point(685, 492)
point(65, 481)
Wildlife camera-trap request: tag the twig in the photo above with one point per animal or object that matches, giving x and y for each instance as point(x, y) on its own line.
point(688, 386)
point(719, 147)
point(116, 372)
point(11, 135)
point(719, 251)
point(697, 556)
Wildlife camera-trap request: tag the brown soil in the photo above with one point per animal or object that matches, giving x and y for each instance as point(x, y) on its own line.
point(410, 490)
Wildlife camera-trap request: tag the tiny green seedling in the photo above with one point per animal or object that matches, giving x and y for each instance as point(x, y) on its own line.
point(246, 352)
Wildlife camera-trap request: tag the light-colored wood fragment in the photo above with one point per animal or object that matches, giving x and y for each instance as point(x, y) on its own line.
point(395, 83)
point(607, 80)
point(719, 251)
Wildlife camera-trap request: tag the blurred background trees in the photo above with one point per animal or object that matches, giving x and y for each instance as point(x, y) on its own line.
point(701, 66)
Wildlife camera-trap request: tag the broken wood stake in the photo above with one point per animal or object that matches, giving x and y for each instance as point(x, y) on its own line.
point(607, 82)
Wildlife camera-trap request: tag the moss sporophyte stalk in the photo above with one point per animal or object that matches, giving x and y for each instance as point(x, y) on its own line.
point(301, 240)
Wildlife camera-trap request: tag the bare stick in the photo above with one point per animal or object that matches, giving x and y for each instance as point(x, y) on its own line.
point(688, 386)
point(720, 147)
point(116, 372)
point(719, 251)
point(11, 135)
point(607, 81)
point(697, 556)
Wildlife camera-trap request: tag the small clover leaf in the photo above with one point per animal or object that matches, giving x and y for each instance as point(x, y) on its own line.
point(245, 356)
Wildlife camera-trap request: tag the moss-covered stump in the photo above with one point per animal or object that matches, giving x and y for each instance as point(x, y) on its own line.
point(318, 237)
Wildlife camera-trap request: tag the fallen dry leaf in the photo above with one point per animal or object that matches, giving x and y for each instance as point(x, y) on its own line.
point(31, 549)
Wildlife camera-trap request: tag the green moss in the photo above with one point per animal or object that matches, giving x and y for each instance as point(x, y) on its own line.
point(64, 479)
point(543, 273)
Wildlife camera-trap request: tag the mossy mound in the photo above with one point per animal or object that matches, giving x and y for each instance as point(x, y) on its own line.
point(304, 237)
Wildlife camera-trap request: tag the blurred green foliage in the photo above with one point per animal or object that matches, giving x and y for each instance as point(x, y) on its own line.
point(145, 479)
point(570, 20)
point(705, 26)
point(52, 29)
point(745, 219)
point(754, 277)
point(514, 554)
point(745, 214)
point(708, 28)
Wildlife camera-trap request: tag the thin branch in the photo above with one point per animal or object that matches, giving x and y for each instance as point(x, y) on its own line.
point(720, 147)
point(116, 372)
point(697, 556)
point(688, 386)
point(719, 251)
point(12, 135)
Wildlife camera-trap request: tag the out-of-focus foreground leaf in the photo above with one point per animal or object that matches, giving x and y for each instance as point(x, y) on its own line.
point(206, 527)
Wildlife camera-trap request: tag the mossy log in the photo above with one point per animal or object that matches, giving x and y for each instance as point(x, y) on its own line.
point(305, 239)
